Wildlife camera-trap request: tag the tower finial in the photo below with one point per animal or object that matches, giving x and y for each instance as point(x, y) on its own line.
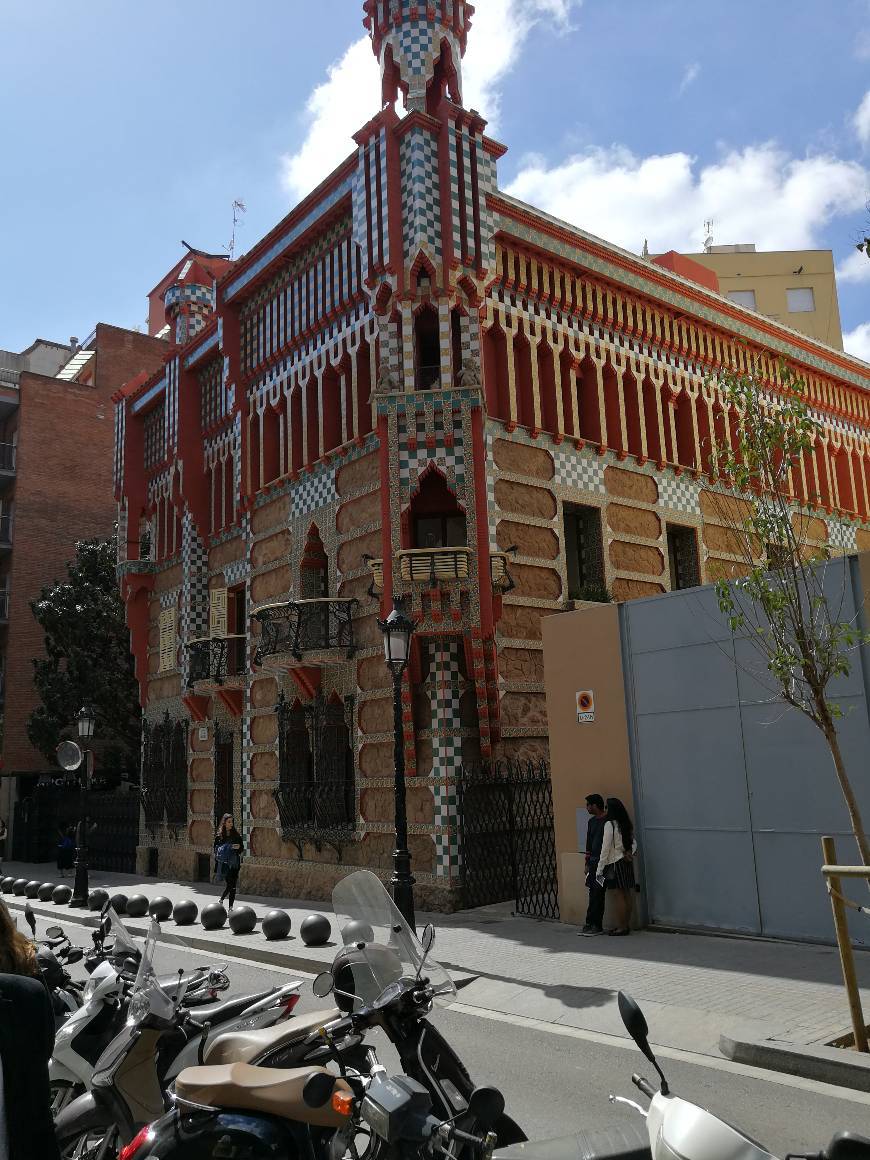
point(419, 45)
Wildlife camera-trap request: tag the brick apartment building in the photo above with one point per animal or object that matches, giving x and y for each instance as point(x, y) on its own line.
point(55, 489)
point(416, 385)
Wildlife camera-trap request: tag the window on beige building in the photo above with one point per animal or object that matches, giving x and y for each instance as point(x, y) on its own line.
point(683, 557)
point(584, 552)
point(801, 300)
point(743, 298)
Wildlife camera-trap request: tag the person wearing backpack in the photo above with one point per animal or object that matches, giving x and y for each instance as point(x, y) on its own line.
point(228, 857)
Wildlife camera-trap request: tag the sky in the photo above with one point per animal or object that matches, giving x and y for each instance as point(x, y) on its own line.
point(129, 125)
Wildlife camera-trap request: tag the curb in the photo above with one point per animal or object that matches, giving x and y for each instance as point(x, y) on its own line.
point(832, 1065)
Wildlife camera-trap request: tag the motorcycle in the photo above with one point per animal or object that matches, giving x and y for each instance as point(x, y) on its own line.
point(53, 954)
point(145, 1040)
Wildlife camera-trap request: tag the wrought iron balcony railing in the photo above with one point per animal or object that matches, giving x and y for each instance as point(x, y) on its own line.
point(7, 457)
point(318, 810)
point(305, 626)
point(430, 565)
point(216, 658)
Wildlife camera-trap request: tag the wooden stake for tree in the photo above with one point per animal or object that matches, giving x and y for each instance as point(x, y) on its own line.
point(844, 943)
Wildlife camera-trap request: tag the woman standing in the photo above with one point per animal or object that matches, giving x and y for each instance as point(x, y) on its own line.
point(228, 857)
point(616, 865)
point(65, 850)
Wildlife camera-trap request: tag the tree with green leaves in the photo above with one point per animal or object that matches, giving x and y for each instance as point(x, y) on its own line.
point(779, 595)
point(87, 661)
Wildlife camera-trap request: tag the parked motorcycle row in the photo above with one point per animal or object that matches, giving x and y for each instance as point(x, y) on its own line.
point(149, 1068)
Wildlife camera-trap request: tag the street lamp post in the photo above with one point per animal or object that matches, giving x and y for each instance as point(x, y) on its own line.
point(86, 722)
point(397, 630)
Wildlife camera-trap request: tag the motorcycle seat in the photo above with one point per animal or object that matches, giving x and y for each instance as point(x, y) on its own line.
point(229, 1009)
point(245, 1046)
point(259, 1089)
point(621, 1142)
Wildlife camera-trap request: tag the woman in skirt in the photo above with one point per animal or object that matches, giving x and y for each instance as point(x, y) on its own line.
point(616, 865)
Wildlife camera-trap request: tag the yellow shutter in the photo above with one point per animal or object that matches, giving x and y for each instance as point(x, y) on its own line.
point(167, 640)
point(217, 612)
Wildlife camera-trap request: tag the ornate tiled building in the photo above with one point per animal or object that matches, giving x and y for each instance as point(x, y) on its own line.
point(415, 385)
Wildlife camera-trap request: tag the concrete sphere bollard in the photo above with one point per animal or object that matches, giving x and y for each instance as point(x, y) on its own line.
point(18, 886)
point(315, 930)
point(32, 889)
point(242, 919)
point(137, 906)
point(357, 931)
point(6, 884)
point(98, 898)
point(213, 916)
point(118, 903)
point(276, 924)
point(185, 912)
point(61, 895)
point(160, 908)
point(45, 891)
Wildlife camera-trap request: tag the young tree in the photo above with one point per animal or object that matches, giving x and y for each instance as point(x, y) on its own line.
point(87, 660)
point(779, 594)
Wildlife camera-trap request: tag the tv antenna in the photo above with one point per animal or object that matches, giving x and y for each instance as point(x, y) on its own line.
point(239, 208)
point(708, 236)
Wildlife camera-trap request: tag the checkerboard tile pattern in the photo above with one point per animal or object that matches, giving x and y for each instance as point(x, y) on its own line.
point(421, 216)
point(679, 493)
point(578, 470)
point(444, 686)
point(423, 442)
point(416, 44)
point(314, 491)
point(842, 535)
point(194, 589)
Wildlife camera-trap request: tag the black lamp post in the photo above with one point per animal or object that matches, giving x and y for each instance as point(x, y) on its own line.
point(86, 720)
point(397, 630)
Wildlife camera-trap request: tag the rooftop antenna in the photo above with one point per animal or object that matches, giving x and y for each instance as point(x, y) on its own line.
point(708, 240)
point(645, 251)
point(239, 208)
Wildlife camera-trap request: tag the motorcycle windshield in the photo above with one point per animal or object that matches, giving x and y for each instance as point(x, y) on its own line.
point(148, 996)
point(123, 944)
point(382, 947)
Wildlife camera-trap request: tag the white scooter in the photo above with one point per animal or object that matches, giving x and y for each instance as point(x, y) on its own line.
point(680, 1130)
point(81, 1040)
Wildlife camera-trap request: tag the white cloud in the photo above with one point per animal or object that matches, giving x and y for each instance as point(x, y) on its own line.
point(350, 95)
point(861, 120)
point(756, 194)
point(857, 341)
point(856, 268)
point(693, 71)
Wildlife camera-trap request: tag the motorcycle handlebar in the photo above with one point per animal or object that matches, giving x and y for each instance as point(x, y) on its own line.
point(643, 1085)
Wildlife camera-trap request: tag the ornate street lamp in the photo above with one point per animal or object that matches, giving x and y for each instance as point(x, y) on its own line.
point(398, 629)
point(86, 720)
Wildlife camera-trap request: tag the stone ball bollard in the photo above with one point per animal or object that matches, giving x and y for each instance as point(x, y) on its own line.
point(45, 892)
point(137, 906)
point(97, 899)
point(276, 924)
point(357, 931)
point(213, 916)
point(61, 894)
point(315, 930)
point(6, 884)
point(18, 886)
point(185, 912)
point(160, 908)
point(31, 889)
point(118, 903)
point(243, 919)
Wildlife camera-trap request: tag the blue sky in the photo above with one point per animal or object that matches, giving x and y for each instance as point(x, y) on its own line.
point(127, 126)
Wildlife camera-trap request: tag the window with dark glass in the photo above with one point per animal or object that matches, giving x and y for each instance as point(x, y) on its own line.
point(238, 625)
point(223, 773)
point(683, 557)
point(437, 519)
point(584, 552)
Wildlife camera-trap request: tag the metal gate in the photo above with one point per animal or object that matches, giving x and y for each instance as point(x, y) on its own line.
point(114, 814)
point(506, 840)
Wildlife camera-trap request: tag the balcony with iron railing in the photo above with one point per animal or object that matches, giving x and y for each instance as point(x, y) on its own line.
point(432, 566)
point(5, 532)
point(216, 660)
point(316, 631)
point(7, 461)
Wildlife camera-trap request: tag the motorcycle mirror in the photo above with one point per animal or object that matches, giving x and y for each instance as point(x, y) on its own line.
point(30, 918)
point(322, 986)
point(635, 1024)
point(487, 1106)
point(848, 1146)
point(54, 932)
point(428, 939)
point(318, 1089)
point(75, 955)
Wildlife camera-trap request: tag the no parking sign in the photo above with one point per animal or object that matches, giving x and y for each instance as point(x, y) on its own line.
point(585, 707)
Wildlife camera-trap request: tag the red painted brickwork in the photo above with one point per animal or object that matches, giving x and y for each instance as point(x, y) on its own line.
point(62, 493)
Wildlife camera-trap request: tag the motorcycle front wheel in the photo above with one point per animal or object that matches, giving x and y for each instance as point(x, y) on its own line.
point(90, 1144)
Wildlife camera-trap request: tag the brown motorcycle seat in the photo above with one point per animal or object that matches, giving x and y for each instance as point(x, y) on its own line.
point(259, 1089)
point(246, 1046)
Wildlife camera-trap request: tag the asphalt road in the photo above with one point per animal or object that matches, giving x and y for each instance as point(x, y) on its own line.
point(557, 1080)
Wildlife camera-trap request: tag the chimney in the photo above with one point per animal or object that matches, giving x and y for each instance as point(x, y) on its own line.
point(74, 343)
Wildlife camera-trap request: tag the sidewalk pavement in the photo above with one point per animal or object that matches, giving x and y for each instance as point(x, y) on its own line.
point(693, 988)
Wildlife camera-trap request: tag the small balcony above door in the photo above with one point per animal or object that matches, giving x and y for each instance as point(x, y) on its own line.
point(312, 632)
point(216, 661)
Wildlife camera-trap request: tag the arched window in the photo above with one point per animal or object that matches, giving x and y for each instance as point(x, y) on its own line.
point(427, 349)
point(437, 520)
